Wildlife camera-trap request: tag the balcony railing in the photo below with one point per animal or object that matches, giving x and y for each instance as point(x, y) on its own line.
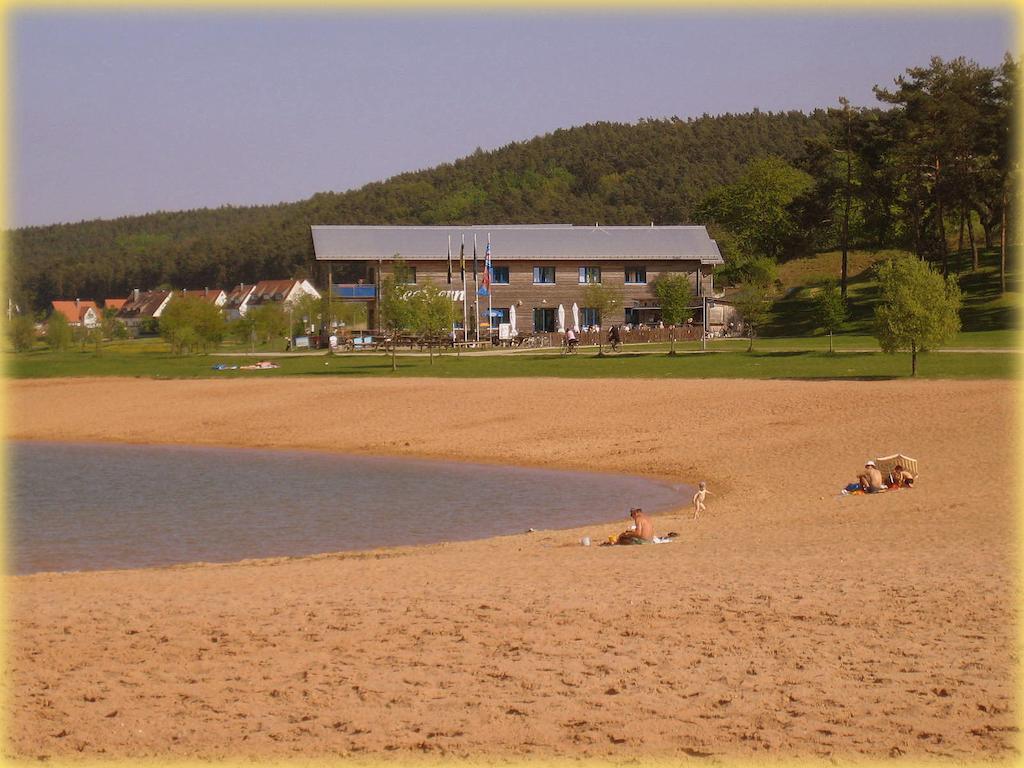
point(355, 291)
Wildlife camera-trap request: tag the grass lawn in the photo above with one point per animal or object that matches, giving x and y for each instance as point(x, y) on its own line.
point(728, 360)
point(985, 308)
point(790, 346)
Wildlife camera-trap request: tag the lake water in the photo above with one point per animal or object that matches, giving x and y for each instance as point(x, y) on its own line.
point(77, 506)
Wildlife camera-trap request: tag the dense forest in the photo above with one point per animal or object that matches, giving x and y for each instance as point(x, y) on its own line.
point(905, 174)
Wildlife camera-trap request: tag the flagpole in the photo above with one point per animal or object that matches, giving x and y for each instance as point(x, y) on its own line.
point(476, 293)
point(462, 269)
point(490, 288)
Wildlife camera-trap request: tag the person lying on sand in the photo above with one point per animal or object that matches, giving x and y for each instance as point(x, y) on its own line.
point(643, 532)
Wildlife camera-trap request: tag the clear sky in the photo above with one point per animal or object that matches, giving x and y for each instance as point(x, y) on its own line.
point(121, 113)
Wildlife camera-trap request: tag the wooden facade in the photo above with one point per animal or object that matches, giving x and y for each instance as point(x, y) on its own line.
point(628, 259)
point(526, 295)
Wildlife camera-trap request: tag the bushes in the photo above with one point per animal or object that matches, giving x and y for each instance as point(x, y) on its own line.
point(190, 324)
point(21, 330)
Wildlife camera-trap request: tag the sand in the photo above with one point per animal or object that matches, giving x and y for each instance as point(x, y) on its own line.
point(788, 622)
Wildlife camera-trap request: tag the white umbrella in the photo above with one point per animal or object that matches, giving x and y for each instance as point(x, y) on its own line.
point(575, 317)
point(561, 319)
point(512, 319)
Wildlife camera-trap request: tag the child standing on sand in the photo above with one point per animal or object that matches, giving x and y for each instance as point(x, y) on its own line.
point(698, 499)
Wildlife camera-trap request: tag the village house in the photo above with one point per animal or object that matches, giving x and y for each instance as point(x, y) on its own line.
point(235, 303)
point(536, 269)
point(242, 298)
point(143, 305)
point(214, 296)
point(78, 313)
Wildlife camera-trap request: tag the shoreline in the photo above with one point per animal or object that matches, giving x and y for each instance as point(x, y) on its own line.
point(786, 624)
point(681, 489)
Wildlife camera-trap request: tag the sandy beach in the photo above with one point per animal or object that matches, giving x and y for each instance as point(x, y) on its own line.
point(787, 623)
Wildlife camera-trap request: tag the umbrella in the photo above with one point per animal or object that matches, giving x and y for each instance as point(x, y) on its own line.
point(561, 318)
point(575, 317)
point(512, 319)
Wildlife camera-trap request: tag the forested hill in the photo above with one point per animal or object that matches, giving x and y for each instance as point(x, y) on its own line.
point(655, 170)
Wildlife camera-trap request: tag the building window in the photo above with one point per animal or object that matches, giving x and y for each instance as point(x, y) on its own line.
point(499, 275)
point(544, 320)
point(499, 314)
point(636, 275)
point(543, 275)
point(408, 277)
point(589, 316)
point(590, 275)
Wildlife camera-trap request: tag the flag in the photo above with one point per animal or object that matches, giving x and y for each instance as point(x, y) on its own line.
point(449, 259)
point(462, 260)
point(485, 284)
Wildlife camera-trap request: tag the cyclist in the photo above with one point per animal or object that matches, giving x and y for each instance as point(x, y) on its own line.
point(614, 338)
point(571, 341)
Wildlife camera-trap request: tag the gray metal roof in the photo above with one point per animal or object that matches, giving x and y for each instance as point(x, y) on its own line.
point(512, 242)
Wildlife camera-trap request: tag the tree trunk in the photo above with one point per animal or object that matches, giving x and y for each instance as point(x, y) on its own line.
point(830, 350)
point(751, 347)
point(915, 218)
point(960, 242)
point(913, 358)
point(846, 216)
point(430, 351)
point(943, 246)
point(974, 243)
point(986, 228)
point(672, 338)
point(1002, 247)
point(394, 355)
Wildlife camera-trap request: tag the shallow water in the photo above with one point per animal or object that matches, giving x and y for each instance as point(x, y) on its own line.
point(77, 506)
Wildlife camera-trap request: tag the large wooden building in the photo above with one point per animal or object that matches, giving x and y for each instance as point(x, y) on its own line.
point(535, 268)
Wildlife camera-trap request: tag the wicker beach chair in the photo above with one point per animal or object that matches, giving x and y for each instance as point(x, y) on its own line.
point(886, 464)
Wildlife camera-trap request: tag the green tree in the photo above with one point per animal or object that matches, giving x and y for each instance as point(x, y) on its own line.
point(607, 300)
point(269, 321)
point(21, 330)
point(830, 309)
point(753, 301)
point(675, 295)
point(396, 306)
point(307, 311)
point(432, 314)
point(918, 310)
point(244, 330)
point(190, 323)
point(756, 208)
point(58, 332)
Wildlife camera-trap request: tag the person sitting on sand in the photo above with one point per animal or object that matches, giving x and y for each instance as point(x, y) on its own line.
point(900, 478)
point(698, 499)
point(870, 481)
point(642, 533)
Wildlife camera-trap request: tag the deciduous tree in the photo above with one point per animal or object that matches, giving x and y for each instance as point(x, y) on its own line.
point(607, 300)
point(830, 309)
point(58, 332)
point(21, 330)
point(675, 296)
point(918, 310)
